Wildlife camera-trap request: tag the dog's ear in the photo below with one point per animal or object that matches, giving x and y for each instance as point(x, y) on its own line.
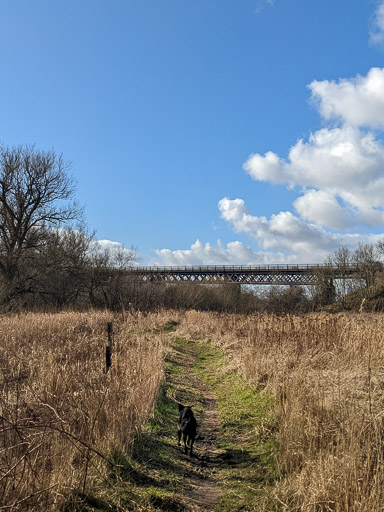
point(181, 407)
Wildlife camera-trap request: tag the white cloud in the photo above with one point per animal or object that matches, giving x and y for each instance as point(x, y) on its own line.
point(358, 101)
point(343, 166)
point(336, 158)
point(377, 32)
point(114, 249)
point(265, 168)
point(108, 245)
point(287, 232)
point(234, 253)
point(323, 208)
point(262, 4)
point(338, 172)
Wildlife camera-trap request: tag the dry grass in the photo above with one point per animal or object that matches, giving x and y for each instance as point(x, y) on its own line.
point(327, 374)
point(61, 415)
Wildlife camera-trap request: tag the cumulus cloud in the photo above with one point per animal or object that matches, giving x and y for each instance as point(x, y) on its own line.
point(358, 101)
point(339, 158)
point(108, 245)
point(377, 32)
point(234, 253)
point(343, 167)
point(322, 207)
point(287, 232)
point(338, 172)
point(114, 249)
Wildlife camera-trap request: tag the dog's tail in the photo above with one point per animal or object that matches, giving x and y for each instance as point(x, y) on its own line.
point(171, 397)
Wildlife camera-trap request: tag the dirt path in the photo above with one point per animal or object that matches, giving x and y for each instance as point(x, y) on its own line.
point(231, 467)
point(204, 488)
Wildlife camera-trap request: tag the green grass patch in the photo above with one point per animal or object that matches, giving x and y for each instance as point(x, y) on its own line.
point(170, 326)
point(247, 435)
point(153, 475)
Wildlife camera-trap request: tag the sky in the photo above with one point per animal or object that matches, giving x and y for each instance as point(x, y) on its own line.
point(206, 132)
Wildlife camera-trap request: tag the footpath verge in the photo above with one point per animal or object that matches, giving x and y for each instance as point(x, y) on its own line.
point(233, 467)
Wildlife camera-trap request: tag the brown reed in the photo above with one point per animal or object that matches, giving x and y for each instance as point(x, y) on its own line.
point(327, 375)
point(61, 414)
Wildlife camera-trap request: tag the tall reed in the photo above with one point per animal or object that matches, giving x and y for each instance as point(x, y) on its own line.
point(327, 375)
point(61, 414)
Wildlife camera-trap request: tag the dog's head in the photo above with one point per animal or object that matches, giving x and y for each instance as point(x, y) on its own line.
point(182, 407)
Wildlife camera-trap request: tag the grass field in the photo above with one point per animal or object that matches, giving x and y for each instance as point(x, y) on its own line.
point(295, 404)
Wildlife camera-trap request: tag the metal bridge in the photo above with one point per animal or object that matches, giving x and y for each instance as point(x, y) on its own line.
point(246, 275)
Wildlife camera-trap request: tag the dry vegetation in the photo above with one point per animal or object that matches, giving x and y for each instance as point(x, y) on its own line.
point(61, 416)
point(327, 374)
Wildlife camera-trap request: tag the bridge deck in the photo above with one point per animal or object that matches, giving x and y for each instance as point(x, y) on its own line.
point(216, 274)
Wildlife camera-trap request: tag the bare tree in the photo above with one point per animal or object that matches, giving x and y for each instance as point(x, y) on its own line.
point(65, 267)
point(36, 195)
point(366, 259)
point(109, 283)
point(342, 259)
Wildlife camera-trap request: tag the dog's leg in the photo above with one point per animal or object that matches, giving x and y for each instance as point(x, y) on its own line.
point(178, 436)
point(185, 444)
point(191, 446)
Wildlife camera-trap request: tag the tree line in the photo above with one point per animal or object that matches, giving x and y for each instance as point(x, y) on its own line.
point(48, 259)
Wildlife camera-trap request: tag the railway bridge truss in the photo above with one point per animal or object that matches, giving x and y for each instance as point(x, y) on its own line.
point(244, 275)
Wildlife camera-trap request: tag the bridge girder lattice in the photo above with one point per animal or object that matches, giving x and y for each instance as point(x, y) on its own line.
point(261, 275)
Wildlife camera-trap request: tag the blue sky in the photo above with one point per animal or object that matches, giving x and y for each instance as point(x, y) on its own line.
point(159, 106)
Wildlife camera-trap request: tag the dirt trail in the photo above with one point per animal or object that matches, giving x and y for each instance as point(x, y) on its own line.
point(203, 488)
point(231, 469)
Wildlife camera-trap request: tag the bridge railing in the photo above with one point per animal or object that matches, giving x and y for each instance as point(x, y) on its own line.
point(238, 268)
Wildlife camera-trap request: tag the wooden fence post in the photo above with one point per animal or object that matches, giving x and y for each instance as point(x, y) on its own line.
point(108, 348)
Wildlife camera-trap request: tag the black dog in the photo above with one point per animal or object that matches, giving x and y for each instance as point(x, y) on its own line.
point(186, 426)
